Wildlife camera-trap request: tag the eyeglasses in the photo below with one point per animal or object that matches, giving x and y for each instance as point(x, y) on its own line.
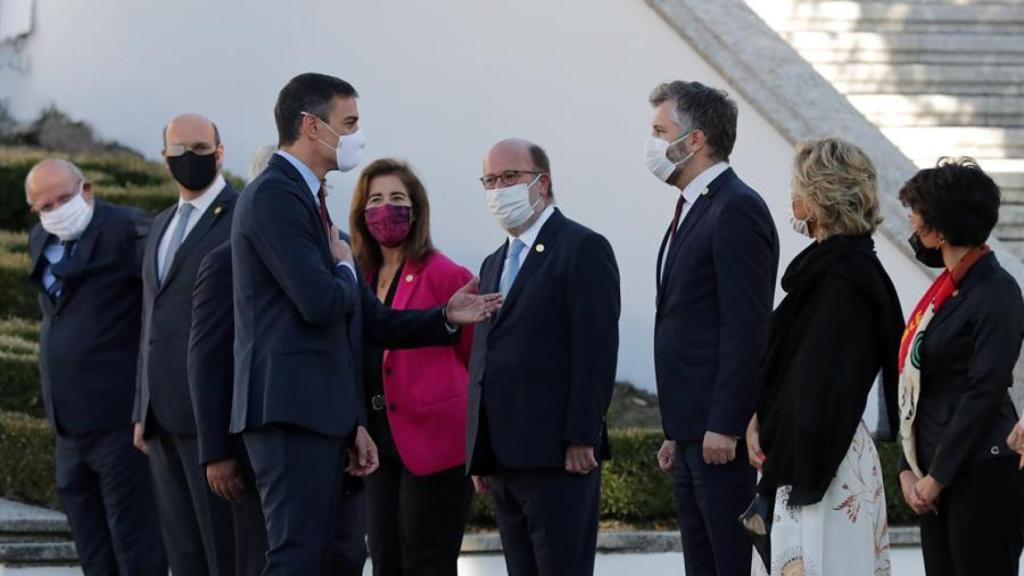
point(508, 178)
point(200, 148)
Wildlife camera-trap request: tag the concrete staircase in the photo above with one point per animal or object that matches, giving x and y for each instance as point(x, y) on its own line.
point(938, 77)
point(33, 536)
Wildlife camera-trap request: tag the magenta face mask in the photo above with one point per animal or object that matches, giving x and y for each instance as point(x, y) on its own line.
point(389, 224)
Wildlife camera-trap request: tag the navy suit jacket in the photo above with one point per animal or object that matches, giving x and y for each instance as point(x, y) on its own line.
point(299, 319)
point(210, 357)
point(713, 303)
point(162, 390)
point(541, 372)
point(88, 347)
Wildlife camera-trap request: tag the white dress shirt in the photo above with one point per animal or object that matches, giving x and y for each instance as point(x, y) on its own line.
point(528, 237)
point(199, 206)
point(693, 193)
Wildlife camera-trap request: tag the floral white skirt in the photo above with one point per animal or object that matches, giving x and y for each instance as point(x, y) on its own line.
point(846, 533)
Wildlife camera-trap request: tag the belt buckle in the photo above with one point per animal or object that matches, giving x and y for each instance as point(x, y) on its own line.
point(377, 402)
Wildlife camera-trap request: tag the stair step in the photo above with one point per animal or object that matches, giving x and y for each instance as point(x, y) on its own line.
point(1011, 74)
point(848, 16)
point(926, 145)
point(1012, 216)
point(940, 110)
point(1016, 247)
point(980, 44)
point(38, 553)
point(931, 86)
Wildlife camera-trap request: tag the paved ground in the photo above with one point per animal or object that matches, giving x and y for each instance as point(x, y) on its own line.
point(906, 562)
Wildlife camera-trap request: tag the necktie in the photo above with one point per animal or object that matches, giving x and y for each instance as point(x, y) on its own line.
point(325, 218)
point(59, 269)
point(184, 211)
point(675, 219)
point(512, 270)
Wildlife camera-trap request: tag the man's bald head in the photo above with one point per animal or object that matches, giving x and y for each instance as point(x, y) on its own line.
point(521, 155)
point(191, 125)
point(53, 182)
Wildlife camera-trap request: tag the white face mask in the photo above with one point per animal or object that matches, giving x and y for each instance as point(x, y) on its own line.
point(656, 156)
point(801, 227)
point(69, 220)
point(511, 206)
point(349, 150)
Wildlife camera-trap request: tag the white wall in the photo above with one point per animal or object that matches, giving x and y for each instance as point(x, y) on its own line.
point(440, 82)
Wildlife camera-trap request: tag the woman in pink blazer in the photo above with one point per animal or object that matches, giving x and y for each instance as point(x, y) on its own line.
point(416, 399)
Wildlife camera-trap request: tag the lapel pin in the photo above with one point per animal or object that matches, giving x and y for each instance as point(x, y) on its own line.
point(218, 210)
point(540, 248)
point(409, 278)
point(704, 192)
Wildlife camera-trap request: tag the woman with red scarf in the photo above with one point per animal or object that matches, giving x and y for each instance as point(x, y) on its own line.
point(415, 399)
point(956, 365)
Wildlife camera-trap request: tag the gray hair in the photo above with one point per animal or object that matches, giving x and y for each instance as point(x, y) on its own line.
point(65, 165)
point(260, 160)
point(699, 107)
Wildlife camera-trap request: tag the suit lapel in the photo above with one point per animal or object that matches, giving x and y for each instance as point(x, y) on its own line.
point(36, 247)
point(81, 255)
point(693, 217)
point(539, 253)
point(305, 196)
point(210, 217)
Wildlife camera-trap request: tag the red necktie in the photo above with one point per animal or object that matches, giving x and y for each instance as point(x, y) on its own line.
point(675, 219)
point(325, 218)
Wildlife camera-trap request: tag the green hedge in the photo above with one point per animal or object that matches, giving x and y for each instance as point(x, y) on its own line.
point(107, 170)
point(27, 460)
point(19, 368)
point(633, 491)
point(17, 297)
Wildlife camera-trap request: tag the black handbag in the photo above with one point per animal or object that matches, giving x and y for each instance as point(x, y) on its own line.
point(757, 523)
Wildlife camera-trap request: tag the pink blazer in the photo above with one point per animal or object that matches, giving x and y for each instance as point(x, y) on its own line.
point(425, 388)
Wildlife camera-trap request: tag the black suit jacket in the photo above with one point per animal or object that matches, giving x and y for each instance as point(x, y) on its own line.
point(541, 372)
point(713, 303)
point(210, 357)
point(299, 319)
point(964, 411)
point(89, 342)
point(162, 390)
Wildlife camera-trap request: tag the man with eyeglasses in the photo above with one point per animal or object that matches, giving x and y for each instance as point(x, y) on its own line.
point(542, 370)
point(86, 259)
point(197, 524)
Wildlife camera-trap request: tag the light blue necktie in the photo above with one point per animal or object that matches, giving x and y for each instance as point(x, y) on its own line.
point(179, 236)
point(512, 269)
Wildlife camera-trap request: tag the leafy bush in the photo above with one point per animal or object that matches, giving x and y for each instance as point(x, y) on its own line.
point(27, 460)
point(17, 297)
point(20, 390)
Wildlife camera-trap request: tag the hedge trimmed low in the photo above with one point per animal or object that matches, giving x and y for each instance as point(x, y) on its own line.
point(17, 297)
point(27, 460)
point(19, 368)
point(633, 490)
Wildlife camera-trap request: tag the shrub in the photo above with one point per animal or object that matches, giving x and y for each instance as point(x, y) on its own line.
point(27, 460)
point(17, 297)
point(20, 390)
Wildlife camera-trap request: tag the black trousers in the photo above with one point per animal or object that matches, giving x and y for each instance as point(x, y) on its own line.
point(416, 523)
point(709, 501)
point(105, 487)
point(197, 524)
point(299, 474)
point(548, 521)
point(980, 525)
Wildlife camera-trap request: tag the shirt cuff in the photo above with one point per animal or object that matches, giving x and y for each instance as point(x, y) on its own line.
point(447, 326)
point(350, 267)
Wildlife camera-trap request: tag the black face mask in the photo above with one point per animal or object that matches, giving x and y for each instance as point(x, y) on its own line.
point(930, 257)
point(193, 171)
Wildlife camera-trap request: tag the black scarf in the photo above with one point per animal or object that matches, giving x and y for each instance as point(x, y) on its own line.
point(839, 324)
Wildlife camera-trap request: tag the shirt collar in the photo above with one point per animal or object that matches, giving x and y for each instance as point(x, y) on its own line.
point(696, 187)
point(204, 200)
point(529, 236)
point(307, 174)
